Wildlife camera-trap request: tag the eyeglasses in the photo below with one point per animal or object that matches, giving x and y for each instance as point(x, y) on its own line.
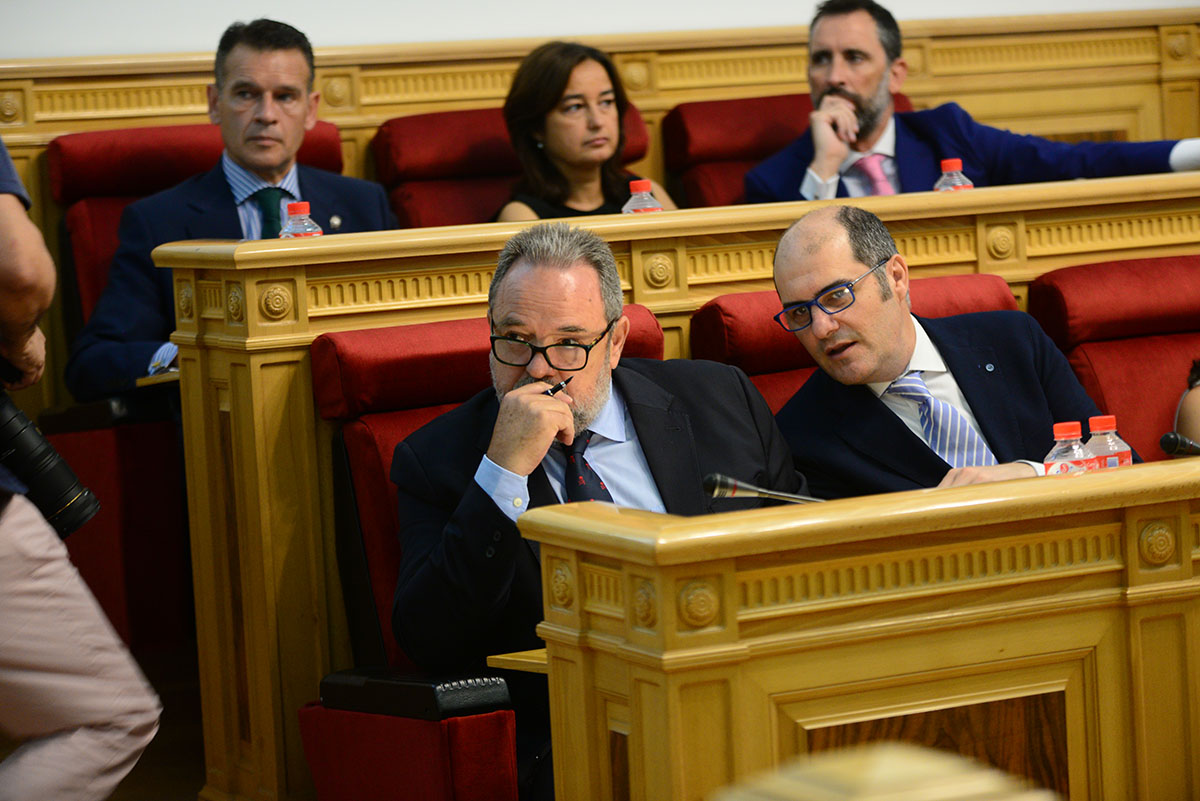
point(798, 316)
point(567, 356)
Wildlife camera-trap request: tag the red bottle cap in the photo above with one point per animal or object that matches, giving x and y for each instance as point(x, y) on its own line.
point(1102, 422)
point(951, 165)
point(300, 207)
point(1070, 430)
point(640, 185)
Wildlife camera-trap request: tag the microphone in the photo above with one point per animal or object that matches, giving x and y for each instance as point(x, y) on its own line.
point(1175, 444)
point(722, 486)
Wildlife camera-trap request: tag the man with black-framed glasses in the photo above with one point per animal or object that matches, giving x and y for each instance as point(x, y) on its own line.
point(567, 418)
point(902, 402)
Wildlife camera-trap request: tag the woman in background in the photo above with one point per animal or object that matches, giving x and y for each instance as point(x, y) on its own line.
point(564, 113)
point(1187, 416)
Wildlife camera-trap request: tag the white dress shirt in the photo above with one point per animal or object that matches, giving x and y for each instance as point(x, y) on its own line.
point(613, 452)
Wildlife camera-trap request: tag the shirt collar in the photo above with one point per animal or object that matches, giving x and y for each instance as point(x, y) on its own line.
point(925, 357)
point(610, 423)
point(244, 183)
point(886, 146)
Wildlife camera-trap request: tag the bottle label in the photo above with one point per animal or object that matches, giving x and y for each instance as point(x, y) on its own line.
point(957, 187)
point(639, 211)
point(1069, 466)
point(298, 234)
point(1116, 459)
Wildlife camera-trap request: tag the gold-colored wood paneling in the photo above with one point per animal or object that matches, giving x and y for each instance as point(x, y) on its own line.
point(1123, 75)
point(270, 617)
point(1064, 608)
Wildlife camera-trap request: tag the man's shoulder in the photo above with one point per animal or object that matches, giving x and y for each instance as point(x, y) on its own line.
point(335, 182)
point(697, 374)
point(994, 322)
point(169, 200)
point(454, 425)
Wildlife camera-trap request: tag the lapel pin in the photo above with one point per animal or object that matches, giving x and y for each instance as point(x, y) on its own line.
point(335, 222)
point(989, 367)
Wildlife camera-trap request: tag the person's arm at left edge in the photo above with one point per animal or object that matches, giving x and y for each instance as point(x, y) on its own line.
point(27, 279)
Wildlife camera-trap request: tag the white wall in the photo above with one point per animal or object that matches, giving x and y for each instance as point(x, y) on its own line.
point(49, 28)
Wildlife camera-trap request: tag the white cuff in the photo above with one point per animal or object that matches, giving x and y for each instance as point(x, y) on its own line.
point(161, 362)
point(507, 490)
point(1039, 468)
point(1185, 155)
point(816, 188)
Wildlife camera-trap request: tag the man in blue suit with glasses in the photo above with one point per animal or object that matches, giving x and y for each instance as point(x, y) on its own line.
point(902, 402)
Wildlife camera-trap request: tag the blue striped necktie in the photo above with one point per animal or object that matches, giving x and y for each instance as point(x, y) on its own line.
point(947, 430)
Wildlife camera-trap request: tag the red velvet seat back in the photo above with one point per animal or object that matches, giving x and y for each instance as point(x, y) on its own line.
point(383, 384)
point(738, 329)
point(1130, 330)
point(711, 144)
point(96, 174)
point(458, 167)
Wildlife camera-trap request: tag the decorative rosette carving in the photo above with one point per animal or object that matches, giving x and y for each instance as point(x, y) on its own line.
point(658, 270)
point(636, 75)
point(10, 107)
point(187, 302)
point(698, 604)
point(337, 92)
point(1156, 544)
point(644, 613)
point(562, 588)
point(1001, 242)
point(1177, 46)
point(276, 302)
point(235, 303)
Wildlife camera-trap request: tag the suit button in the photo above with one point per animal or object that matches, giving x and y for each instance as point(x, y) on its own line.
point(495, 536)
point(490, 552)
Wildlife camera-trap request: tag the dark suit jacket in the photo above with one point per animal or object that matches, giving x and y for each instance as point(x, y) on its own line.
point(1016, 381)
point(990, 156)
point(136, 312)
point(470, 586)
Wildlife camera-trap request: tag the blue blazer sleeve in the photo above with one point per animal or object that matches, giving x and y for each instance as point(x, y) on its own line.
point(134, 317)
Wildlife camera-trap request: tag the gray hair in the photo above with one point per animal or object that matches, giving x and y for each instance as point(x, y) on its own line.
point(561, 245)
point(870, 241)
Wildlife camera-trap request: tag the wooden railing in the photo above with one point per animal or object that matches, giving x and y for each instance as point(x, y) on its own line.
point(1115, 75)
point(270, 622)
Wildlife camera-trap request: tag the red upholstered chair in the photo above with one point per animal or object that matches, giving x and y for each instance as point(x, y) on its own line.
point(133, 554)
point(738, 329)
point(457, 167)
point(1130, 330)
point(711, 144)
point(375, 384)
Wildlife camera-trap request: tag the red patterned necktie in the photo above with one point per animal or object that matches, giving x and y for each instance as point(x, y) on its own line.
point(581, 481)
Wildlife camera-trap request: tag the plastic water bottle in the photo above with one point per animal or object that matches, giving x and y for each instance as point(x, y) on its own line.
point(1108, 448)
point(299, 223)
point(1069, 454)
point(952, 177)
point(640, 198)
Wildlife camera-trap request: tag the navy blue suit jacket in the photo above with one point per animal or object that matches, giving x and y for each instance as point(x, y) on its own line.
point(990, 156)
point(136, 312)
point(1017, 382)
point(470, 586)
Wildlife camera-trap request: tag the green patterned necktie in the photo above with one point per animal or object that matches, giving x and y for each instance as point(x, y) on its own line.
point(268, 199)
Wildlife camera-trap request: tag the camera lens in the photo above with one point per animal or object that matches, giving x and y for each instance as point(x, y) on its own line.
point(53, 487)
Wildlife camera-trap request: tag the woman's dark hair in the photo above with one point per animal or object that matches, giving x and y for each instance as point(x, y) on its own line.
point(536, 88)
point(1194, 376)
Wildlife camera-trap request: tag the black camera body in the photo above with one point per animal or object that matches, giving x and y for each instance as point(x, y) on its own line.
point(53, 486)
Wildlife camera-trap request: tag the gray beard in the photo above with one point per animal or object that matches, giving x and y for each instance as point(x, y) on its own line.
point(583, 413)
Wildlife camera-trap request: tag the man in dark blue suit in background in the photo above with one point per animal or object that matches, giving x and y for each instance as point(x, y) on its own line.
point(902, 402)
point(264, 102)
point(857, 144)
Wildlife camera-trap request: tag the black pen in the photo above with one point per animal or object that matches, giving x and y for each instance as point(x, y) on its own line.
point(559, 387)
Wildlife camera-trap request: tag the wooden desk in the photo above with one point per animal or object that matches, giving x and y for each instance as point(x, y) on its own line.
point(1049, 626)
point(268, 599)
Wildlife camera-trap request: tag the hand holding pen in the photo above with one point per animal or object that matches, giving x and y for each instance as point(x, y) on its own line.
point(559, 387)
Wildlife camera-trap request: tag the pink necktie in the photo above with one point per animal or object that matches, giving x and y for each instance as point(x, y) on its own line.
point(872, 167)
